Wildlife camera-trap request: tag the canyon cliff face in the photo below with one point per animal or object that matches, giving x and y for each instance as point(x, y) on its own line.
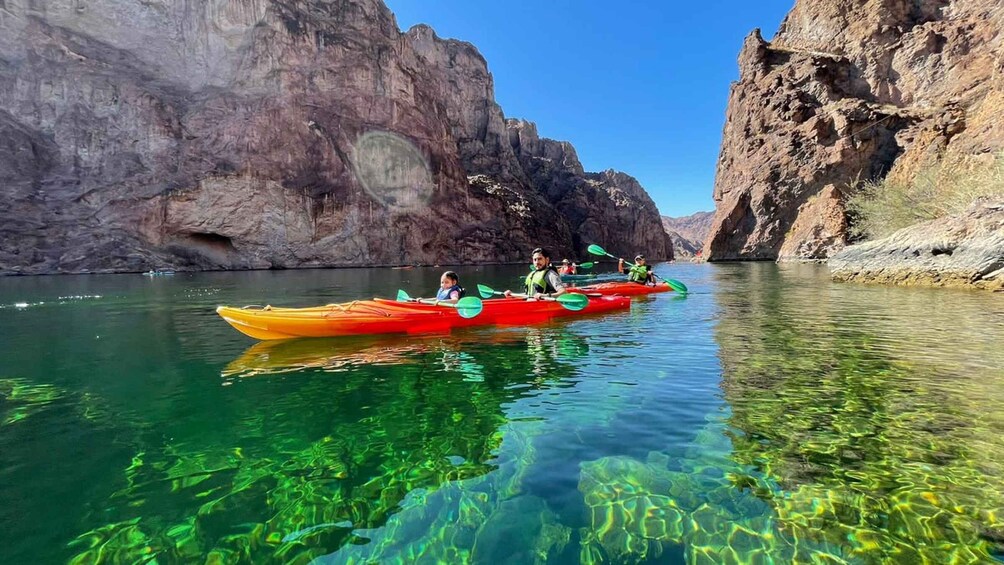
point(688, 233)
point(848, 91)
point(609, 206)
point(234, 134)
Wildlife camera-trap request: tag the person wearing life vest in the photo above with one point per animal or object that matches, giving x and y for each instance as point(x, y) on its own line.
point(450, 290)
point(544, 280)
point(567, 268)
point(639, 273)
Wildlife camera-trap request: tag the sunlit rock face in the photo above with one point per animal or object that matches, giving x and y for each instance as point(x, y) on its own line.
point(848, 91)
point(261, 134)
point(609, 206)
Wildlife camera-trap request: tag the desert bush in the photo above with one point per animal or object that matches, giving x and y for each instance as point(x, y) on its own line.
point(944, 189)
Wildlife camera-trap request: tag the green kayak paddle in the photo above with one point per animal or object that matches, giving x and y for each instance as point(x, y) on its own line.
point(571, 301)
point(673, 283)
point(467, 307)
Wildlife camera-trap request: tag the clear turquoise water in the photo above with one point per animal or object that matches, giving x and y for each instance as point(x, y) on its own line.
point(770, 416)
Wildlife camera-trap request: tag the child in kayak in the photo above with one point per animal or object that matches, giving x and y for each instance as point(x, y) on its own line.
point(450, 290)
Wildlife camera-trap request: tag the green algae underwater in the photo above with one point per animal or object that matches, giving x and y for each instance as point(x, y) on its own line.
point(769, 417)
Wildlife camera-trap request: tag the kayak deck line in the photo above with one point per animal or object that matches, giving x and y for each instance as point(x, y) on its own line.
point(329, 310)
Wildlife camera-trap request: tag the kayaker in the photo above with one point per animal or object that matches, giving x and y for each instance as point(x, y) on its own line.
point(450, 290)
point(544, 280)
point(639, 273)
point(567, 268)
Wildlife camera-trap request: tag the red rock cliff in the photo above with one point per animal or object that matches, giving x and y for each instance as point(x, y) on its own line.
point(234, 134)
point(849, 90)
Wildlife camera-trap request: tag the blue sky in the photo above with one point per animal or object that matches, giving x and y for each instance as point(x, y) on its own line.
point(640, 87)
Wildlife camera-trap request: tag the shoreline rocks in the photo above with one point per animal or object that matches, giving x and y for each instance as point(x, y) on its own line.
point(961, 251)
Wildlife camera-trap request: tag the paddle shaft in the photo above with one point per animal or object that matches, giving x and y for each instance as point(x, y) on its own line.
point(435, 302)
point(402, 296)
point(514, 295)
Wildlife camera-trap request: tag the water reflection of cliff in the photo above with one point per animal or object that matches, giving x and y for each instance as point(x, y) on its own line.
point(854, 434)
point(304, 460)
point(874, 412)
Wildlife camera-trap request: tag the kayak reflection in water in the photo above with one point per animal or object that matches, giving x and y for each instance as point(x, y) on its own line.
point(475, 354)
point(544, 280)
point(639, 272)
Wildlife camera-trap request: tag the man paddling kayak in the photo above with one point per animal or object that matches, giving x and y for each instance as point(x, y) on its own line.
point(544, 280)
point(639, 273)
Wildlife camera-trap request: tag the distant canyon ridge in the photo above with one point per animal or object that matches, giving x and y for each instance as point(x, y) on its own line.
point(245, 134)
point(688, 233)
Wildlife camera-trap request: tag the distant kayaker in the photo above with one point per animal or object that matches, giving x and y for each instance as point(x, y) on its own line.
point(450, 290)
point(639, 272)
point(567, 268)
point(544, 280)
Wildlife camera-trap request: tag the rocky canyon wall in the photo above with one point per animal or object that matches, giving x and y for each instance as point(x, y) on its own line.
point(233, 134)
point(849, 91)
point(688, 233)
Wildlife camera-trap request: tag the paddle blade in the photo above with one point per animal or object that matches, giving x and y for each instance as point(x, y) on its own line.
point(402, 296)
point(676, 285)
point(587, 265)
point(485, 291)
point(468, 307)
point(574, 301)
point(596, 250)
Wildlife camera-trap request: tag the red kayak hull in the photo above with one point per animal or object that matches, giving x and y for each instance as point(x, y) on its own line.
point(620, 288)
point(380, 316)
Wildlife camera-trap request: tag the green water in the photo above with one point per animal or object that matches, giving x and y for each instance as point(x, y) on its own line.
point(769, 417)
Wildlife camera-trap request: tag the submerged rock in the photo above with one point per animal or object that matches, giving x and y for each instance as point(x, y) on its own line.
point(963, 251)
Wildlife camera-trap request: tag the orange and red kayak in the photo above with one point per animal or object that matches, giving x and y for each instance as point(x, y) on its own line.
point(620, 288)
point(379, 316)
